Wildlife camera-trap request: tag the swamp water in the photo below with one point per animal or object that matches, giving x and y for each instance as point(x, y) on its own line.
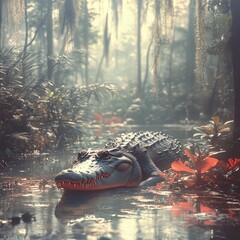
point(126, 213)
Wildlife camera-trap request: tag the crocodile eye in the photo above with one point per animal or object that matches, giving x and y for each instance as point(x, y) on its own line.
point(82, 154)
point(103, 154)
point(115, 152)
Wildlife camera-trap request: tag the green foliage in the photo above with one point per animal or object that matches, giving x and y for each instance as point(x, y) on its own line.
point(216, 133)
point(217, 31)
point(222, 6)
point(69, 15)
point(34, 114)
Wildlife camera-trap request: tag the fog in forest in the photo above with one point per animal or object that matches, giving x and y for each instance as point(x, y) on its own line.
point(68, 64)
point(119, 119)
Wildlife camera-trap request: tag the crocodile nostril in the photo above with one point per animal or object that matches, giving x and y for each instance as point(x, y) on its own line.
point(70, 170)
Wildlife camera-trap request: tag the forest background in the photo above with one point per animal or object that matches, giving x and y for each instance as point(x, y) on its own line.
point(147, 62)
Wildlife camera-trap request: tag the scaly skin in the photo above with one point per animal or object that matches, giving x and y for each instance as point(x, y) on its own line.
point(129, 160)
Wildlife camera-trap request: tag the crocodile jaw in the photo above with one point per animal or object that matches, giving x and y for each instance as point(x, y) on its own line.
point(105, 181)
point(92, 174)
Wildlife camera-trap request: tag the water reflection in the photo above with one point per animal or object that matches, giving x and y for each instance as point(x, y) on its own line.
point(146, 214)
point(126, 213)
point(123, 214)
point(114, 214)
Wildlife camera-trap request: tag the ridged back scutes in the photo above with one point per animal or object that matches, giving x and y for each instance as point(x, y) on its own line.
point(162, 148)
point(146, 138)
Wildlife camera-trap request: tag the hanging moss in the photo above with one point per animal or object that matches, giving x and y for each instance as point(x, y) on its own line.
point(15, 11)
point(106, 41)
point(68, 16)
point(200, 43)
point(162, 33)
point(12, 16)
point(217, 34)
point(116, 9)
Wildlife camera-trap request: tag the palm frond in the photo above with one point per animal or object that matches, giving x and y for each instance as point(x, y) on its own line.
point(67, 18)
point(97, 92)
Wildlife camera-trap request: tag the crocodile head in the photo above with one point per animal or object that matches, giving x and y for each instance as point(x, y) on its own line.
point(99, 170)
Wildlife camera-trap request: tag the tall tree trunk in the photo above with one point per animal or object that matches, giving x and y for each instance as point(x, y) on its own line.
point(25, 43)
point(139, 67)
point(99, 68)
point(170, 82)
point(145, 79)
point(1, 18)
point(199, 41)
point(86, 41)
point(26, 31)
point(49, 40)
point(190, 65)
point(235, 48)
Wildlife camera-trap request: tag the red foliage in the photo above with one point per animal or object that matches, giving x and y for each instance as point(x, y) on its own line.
point(221, 165)
point(179, 166)
point(224, 176)
point(193, 157)
point(115, 119)
point(99, 117)
point(159, 186)
point(201, 165)
point(232, 162)
point(204, 165)
point(180, 208)
point(106, 120)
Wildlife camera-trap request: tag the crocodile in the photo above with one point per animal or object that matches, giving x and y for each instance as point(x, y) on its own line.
point(129, 160)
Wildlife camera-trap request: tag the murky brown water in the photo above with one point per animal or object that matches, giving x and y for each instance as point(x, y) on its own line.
point(113, 214)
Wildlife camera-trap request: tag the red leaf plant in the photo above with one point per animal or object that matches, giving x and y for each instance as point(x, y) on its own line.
point(233, 162)
point(229, 167)
point(232, 170)
point(200, 165)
